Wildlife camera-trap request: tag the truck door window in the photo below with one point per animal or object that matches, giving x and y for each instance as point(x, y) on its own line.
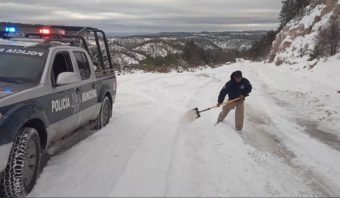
point(62, 63)
point(83, 65)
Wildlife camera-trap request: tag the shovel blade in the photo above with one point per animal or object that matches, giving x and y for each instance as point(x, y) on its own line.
point(190, 116)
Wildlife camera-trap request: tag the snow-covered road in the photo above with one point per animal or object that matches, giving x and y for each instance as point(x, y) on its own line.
point(290, 145)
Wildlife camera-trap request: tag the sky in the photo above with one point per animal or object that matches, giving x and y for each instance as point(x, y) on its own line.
point(147, 16)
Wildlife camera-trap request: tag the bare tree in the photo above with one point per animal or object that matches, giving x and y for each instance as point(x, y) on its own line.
point(335, 32)
point(329, 38)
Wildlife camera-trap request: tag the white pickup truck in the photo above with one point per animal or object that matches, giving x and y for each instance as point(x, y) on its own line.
point(49, 87)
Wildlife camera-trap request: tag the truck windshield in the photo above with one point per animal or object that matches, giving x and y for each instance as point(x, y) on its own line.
point(18, 64)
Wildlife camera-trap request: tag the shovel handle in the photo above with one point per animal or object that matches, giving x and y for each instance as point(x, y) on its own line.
point(225, 103)
point(231, 101)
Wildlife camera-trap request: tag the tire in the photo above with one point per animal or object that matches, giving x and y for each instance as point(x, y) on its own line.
point(105, 114)
point(23, 165)
point(2, 193)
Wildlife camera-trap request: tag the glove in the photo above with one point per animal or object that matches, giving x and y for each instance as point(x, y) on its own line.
point(218, 104)
point(241, 97)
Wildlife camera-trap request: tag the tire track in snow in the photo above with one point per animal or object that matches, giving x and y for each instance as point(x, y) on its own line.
point(277, 145)
point(263, 139)
point(279, 171)
point(137, 146)
point(162, 92)
point(147, 169)
point(170, 167)
point(181, 129)
point(155, 118)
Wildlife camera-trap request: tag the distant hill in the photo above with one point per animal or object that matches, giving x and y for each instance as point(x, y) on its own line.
point(168, 50)
point(180, 49)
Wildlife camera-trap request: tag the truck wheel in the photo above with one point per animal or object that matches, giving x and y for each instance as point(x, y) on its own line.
point(23, 165)
point(2, 193)
point(104, 115)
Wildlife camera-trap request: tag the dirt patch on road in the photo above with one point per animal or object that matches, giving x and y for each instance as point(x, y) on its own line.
point(313, 129)
point(263, 138)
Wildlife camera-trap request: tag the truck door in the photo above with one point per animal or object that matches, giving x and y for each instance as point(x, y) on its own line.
point(64, 113)
point(88, 88)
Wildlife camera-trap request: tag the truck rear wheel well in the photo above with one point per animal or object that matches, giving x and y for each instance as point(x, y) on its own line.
point(109, 96)
point(40, 127)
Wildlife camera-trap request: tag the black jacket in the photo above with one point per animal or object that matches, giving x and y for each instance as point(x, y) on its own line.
point(235, 90)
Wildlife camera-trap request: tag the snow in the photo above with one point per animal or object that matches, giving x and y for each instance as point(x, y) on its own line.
point(289, 147)
point(123, 59)
point(235, 44)
point(140, 57)
point(3, 42)
point(18, 43)
point(158, 49)
point(308, 20)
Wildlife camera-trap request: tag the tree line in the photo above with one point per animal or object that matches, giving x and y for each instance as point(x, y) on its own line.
point(327, 42)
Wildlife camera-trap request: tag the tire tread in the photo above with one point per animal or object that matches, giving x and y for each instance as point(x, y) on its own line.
point(13, 184)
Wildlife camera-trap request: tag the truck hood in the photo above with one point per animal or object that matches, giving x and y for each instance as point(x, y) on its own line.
point(9, 88)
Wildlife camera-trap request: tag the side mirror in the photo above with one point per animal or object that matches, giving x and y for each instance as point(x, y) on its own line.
point(65, 78)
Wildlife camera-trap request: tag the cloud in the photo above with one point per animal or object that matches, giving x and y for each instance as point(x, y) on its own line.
point(147, 15)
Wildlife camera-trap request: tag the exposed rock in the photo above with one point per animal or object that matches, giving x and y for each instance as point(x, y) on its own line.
point(279, 61)
point(330, 4)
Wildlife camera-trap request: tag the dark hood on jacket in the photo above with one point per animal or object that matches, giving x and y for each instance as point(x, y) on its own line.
point(238, 73)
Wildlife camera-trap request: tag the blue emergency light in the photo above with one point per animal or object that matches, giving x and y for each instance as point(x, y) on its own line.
point(10, 29)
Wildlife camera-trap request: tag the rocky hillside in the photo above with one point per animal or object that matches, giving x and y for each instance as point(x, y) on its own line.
point(177, 49)
point(301, 39)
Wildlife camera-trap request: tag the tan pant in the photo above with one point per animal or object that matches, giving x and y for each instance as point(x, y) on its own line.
point(239, 113)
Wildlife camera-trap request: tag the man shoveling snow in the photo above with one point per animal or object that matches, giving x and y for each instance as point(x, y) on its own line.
point(237, 87)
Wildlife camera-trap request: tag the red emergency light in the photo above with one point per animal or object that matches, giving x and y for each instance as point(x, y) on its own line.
point(45, 31)
point(48, 31)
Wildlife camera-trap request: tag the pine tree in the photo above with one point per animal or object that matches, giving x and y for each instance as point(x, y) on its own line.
point(261, 48)
point(316, 53)
point(290, 9)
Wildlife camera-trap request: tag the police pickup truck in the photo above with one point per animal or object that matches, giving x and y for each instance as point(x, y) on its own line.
point(49, 87)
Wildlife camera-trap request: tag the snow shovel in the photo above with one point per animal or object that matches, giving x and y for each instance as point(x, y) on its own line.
point(195, 113)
